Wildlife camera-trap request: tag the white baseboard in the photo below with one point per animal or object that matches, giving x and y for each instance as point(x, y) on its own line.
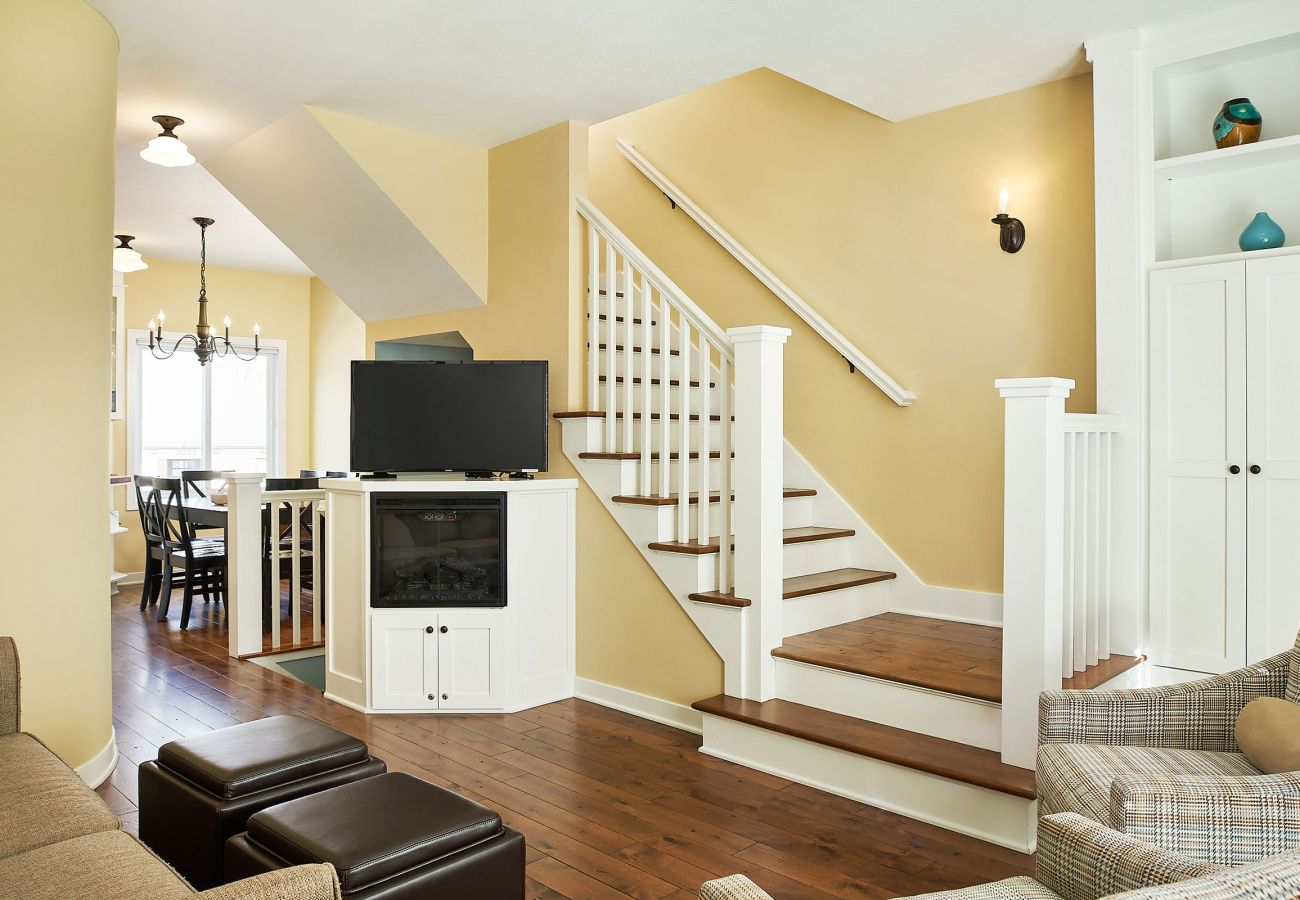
point(95, 771)
point(665, 712)
point(131, 578)
point(341, 702)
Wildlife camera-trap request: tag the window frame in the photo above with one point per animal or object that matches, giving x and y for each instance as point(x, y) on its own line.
point(137, 342)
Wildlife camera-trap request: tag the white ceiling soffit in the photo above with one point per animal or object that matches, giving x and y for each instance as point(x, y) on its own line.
point(302, 185)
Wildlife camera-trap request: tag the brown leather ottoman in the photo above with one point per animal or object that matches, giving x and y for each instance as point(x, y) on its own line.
point(391, 837)
point(203, 789)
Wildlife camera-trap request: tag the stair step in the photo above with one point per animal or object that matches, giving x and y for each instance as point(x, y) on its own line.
point(674, 382)
point(803, 585)
point(1106, 669)
point(788, 536)
point(936, 756)
point(694, 454)
point(714, 497)
point(952, 657)
point(596, 414)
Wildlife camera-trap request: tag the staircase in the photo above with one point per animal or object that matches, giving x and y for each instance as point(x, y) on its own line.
point(842, 670)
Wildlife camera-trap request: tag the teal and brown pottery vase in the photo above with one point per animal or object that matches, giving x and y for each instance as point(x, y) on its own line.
point(1261, 234)
point(1239, 122)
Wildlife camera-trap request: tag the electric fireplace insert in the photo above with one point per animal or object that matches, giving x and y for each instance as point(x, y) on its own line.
point(438, 550)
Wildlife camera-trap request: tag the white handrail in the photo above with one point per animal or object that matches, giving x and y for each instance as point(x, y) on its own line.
point(783, 291)
point(698, 318)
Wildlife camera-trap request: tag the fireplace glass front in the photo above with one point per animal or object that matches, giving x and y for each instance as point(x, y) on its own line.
point(438, 550)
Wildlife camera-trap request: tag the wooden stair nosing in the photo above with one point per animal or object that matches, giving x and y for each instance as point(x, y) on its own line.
point(714, 497)
point(597, 414)
point(802, 535)
point(803, 586)
point(694, 454)
point(935, 756)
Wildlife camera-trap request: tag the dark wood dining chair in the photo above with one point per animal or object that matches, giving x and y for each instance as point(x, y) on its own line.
point(199, 482)
point(153, 565)
point(201, 561)
point(282, 542)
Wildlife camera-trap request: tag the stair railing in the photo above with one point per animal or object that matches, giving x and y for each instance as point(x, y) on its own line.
point(247, 505)
point(1056, 594)
point(738, 381)
point(854, 356)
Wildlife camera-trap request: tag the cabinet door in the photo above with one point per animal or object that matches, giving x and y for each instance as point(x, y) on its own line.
point(403, 661)
point(471, 661)
point(1198, 432)
point(1272, 444)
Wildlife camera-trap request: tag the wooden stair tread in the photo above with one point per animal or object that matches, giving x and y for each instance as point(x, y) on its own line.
point(788, 536)
point(1104, 671)
point(597, 414)
point(714, 497)
point(803, 585)
point(672, 382)
point(936, 756)
point(951, 657)
point(694, 454)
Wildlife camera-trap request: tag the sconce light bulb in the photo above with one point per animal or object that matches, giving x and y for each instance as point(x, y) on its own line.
point(1002, 200)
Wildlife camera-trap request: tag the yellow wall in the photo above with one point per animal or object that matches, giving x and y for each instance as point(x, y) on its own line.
point(58, 66)
point(631, 632)
point(441, 186)
point(279, 303)
point(884, 229)
point(338, 336)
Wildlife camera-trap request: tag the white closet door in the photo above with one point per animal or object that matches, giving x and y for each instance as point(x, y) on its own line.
point(1198, 432)
point(1272, 445)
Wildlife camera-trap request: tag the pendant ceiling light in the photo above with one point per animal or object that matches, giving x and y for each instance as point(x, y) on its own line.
point(206, 344)
point(167, 149)
point(125, 257)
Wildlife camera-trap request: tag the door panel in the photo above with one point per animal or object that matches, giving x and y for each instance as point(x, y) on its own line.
point(471, 661)
point(1273, 444)
point(1198, 574)
point(403, 661)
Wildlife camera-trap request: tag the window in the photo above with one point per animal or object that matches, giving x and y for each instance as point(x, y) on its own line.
point(227, 415)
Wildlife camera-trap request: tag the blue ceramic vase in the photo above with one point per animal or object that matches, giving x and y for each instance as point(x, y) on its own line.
point(1261, 234)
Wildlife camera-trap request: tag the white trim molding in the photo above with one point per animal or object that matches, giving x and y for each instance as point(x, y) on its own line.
point(665, 712)
point(96, 770)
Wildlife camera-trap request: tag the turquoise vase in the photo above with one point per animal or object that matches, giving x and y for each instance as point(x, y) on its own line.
point(1261, 234)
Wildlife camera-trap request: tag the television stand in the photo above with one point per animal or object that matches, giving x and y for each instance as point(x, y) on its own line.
point(480, 473)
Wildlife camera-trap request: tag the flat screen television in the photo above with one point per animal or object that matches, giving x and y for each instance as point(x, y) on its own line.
point(481, 416)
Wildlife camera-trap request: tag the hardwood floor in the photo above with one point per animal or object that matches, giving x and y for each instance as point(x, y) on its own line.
point(612, 805)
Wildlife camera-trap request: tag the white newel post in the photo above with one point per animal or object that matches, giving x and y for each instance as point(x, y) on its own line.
point(759, 483)
point(1033, 556)
point(244, 562)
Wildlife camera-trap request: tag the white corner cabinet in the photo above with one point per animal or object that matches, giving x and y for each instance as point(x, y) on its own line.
point(453, 659)
point(1225, 462)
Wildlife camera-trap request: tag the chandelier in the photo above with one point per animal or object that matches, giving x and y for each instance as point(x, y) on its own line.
point(206, 344)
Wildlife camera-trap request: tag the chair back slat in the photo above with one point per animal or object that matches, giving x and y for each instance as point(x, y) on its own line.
point(190, 479)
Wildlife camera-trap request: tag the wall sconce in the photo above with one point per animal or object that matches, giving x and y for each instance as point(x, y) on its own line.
point(1011, 231)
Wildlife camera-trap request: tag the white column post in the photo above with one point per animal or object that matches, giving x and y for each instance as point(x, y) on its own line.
point(244, 562)
point(759, 483)
point(1033, 556)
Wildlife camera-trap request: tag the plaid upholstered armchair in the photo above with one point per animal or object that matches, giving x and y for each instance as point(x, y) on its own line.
point(1162, 764)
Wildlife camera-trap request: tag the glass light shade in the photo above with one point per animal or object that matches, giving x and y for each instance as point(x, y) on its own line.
point(167, 151)
point(127, 259)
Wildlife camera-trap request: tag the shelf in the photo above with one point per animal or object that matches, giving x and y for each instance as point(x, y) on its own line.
point(1231, 159)
point(1225, 257)
point(119, 529)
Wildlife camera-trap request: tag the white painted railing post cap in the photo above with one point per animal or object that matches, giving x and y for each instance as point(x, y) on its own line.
point(243, 477)
point(1034, 387)
point(769, 333)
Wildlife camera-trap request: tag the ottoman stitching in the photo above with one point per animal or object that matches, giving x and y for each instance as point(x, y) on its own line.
point(289, 765)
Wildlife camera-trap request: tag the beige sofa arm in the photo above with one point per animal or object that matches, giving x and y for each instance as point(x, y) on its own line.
point(733, 887)
point(1082, 860)
point(10, 705)
point(1198, 715)
point(315, 882)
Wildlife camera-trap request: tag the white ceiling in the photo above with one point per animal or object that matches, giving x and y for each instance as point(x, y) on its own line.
point(487, 71)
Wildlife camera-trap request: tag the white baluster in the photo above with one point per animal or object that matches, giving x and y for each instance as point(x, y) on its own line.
point(244, 563)
point(1103, 538)
point(611, 365)
point(318, 570)
point(295, 602)
point(725, 444)
point(704, 525)
point(665, 396)
point(1068, 598)
point(647, 356)
point(274, 513)
point(1081, 587)
point(684, 434)
point(593, 318)
point(629, 369)
point(1094, 547)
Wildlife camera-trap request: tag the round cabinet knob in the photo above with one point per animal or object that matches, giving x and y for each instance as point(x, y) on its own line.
point(431, 697)
point(1235, 470)
point(1255, 470)
point(443, 629)
point(444, 696)
point(429, 630)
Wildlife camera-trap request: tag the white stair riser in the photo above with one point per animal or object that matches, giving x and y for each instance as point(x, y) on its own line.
point(800, 615)
point(695, 396)
point(621, 445)
point(795, 510)
point(948, 716)
point(807, 557)
point(981, 813)
point(806, 553)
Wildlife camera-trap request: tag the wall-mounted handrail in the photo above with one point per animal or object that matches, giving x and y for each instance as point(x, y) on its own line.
point(855, 357)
